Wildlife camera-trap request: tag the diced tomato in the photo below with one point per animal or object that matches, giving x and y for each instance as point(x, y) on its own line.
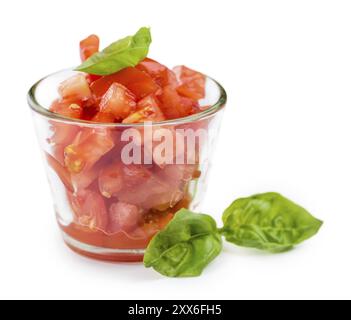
point(192, 83)
point(89, 146)
point(63, 134)
point(134, 175)
point(75, 88)
point(118, 179)
point(153, 193)
point(157, 223)
point(148, 109)
point(104, 117)
point(178, 175)
point(67, 108)
point(89, 113)
point(119, 101)
point(138, 82)
point(92, 78)
point(162, 75)
point(111, 180)
point(192, 105)
point(178, 144)
point(90, 210)
point(89, 46)
point(124, 217)
point(83, 180)
point(173, 105)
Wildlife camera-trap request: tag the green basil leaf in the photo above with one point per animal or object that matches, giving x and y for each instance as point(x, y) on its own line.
point(268, 222)
point(185, 247)
point(127, 52)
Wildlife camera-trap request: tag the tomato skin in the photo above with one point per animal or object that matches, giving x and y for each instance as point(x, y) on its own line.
point(192, 83)
point(89, 46)
point(138, 82)
point(119, 101)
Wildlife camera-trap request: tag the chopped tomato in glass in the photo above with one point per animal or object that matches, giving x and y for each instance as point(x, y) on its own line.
point(117, 205)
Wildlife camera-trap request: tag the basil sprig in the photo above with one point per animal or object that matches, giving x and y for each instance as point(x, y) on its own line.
point(268, 222)
point(127, 52)
point(191, 241)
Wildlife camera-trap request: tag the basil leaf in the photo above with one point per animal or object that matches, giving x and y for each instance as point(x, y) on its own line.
point(268, 222)
point(127, 52)
point(185, 247)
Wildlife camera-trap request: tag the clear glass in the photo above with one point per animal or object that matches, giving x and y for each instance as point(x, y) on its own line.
point(115, 186)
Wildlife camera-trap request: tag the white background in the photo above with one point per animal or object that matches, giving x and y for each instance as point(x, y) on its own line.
point(287, 68)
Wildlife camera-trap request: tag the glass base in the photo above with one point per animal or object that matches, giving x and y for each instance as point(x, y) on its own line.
point(104, 254)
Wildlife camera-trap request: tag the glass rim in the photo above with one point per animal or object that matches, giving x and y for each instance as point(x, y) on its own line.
point(38, 108)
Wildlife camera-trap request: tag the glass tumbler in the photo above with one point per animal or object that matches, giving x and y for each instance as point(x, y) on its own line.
point(115, 186)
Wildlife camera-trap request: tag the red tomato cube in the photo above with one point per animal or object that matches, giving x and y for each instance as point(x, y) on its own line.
point(83, 180)
point(153, 193)
point(173, 105)
point(148, 109)
point(75, 88)
point(160, 73)
point(124, 217)
point(89, 146)
point(119, 101)
point(111, 180)
point(89, 46)
point(90, 210)
point(138, 82)
point(63, 134)
point(104, 117)
point(135, 175)
point(192, 83)
point(67, 108)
